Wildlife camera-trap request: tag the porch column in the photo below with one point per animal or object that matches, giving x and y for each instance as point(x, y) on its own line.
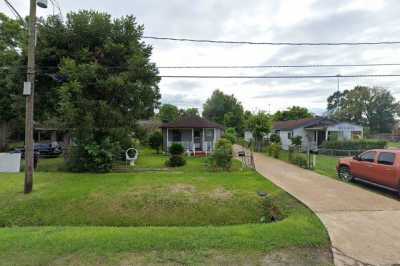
point(316, 138)
point(326, 134)
point(193, 147)
point(167, 141)
point(202, 143)
point(215, 139)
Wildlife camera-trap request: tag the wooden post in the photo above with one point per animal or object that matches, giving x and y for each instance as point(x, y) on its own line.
point(29, 150)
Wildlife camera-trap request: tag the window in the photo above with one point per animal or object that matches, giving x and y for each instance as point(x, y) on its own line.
point(176, 135)
point(368, 156)
point(386, 158)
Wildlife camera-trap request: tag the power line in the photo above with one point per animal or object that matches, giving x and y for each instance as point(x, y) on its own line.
point(14, 11)
point(272, 43)
point(280, 66)
point(281, 76)
point(238, 67)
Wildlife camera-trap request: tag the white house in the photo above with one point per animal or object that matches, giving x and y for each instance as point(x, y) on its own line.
point(314, 131)
point(197, 135)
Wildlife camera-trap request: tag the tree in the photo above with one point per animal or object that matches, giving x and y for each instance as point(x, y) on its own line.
point(11, 75)
point(108, 83)
point(189, 112)
point(230, 134)
point(168, 113)
point(292, 113)
point(260, 125)
point(225, 110)
point(374, 108)
point(156, 141)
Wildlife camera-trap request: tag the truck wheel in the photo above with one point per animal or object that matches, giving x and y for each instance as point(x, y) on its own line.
point(345, 173)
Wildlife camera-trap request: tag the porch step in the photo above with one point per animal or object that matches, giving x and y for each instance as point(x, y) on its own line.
point(201, 154)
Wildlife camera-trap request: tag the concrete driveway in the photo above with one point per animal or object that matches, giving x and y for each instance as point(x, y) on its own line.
point(364, 226)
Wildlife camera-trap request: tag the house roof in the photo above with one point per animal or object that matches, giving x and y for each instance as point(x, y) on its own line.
point(306, 122)
point(192, 122)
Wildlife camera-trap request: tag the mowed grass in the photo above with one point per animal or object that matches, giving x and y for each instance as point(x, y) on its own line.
point(325, 165)
point(187, 215)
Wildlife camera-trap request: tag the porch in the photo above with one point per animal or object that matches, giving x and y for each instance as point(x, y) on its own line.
point(195, 141)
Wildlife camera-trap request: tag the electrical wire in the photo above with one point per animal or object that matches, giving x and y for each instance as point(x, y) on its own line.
point(14, 11)
point(280, 66)
point(281, 76)
point(272, 43)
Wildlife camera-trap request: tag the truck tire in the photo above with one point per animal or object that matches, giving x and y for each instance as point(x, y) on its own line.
point(344, 173)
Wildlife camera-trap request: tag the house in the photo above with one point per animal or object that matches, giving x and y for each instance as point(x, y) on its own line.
point(314, 131)
point(197, 135)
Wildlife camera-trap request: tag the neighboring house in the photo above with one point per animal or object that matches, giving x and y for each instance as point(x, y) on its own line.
point(197, 135)
point(314, 131)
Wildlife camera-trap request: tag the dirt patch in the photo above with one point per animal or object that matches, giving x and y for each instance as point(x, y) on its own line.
point(221, 194)
point(183, 188)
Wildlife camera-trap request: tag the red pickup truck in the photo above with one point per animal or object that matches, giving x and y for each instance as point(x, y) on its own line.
point(377, 167)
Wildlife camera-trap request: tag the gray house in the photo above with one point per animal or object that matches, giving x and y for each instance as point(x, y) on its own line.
point(197, 135)
point(314, 131)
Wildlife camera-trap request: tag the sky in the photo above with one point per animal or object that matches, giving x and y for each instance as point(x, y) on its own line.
point(260, 21)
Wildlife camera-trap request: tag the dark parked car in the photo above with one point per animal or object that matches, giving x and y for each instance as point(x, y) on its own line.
point(44, 150)
point(377, 167)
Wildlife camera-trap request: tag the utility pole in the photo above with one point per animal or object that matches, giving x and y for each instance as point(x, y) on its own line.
point(29, 145)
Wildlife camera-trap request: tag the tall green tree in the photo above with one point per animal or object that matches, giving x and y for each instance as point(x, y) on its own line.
point(292, 113)
point(12, 36)
point(168, 113)
point(225, 110)
point(375, 108)
point(107, 83)
point(189, 112)
point(259, 124)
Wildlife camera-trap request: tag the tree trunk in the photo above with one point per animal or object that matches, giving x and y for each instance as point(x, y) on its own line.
point(3, 136)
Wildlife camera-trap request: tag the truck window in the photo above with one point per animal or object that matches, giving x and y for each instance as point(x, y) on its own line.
point(368, 156)
point(386, 158)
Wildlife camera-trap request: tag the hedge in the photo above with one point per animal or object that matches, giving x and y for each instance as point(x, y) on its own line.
point(347, 145)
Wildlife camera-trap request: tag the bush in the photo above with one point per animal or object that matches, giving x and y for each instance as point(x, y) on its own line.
point(297, 141)
point(176, 149)
point(274, 150)
point(222, 156)
point(155, 141)
point(275, 138)
point(360, 145)
point(299, 160)
point(175, 161)
point(92, 157)
point(230, 134)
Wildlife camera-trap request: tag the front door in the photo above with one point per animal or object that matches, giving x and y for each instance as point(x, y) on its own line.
point(321, 137)
point(197, 140)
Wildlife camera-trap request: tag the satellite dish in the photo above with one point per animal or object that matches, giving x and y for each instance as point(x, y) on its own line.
point(42, 3)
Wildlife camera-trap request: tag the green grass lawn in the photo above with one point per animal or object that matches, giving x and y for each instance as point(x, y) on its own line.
point(325, 165)
point(187, 215)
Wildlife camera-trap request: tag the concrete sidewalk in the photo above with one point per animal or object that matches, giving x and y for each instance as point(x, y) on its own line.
point(364, 227)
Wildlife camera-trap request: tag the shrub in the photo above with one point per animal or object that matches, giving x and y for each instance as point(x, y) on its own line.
point(155, 141)
point(175, 161)
point(354, 144)
point(275, 138)
point(176, 149)
point(222, 156)
point(300, 160)
point(297, 141)
point(274, 150)
point(230, 134)
point(92, 157)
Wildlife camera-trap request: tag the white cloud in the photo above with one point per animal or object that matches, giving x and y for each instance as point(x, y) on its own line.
point(260, 20)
